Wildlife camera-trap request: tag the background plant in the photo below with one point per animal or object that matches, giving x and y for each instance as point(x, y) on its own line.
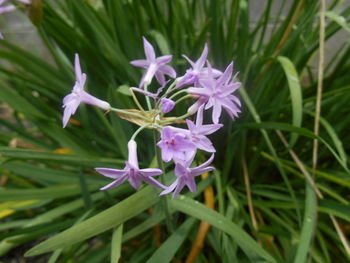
point(47, 174)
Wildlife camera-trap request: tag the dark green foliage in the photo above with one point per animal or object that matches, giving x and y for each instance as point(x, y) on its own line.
point(275, 58)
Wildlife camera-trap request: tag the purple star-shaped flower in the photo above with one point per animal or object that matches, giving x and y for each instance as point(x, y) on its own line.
point(198, 132)
point(78, 95)
point(175, 144)
point(197, 72)
point(217, 94)
point(131, 172)
point(185, 176)
point(155, 66)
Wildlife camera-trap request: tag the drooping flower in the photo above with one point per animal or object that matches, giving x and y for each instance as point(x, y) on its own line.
point(197, 72)
point(167, 105)
point(198, 132)
point(217, 94)
point(155, 66)
point(152, 95)
point(175, 144)
point(185, 176)
point(131, 172)
point(78, 95)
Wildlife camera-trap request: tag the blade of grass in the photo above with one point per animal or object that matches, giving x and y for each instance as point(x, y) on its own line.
point(116, 246)
point(105, 220)
point(252, 249)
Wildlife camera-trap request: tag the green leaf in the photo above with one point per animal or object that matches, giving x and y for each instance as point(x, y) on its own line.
point(40, 194)
point(19, 103)
point(93, 162)
point(251, 248)
point(340, 20)
point(295, 93)
point(167, 250)
point(116, 246)
point(105, 220)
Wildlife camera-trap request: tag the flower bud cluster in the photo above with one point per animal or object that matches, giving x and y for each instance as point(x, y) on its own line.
point(211, 88)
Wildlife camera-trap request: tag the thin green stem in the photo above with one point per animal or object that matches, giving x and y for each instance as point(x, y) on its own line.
point(170, 89)
point(129, 113)
point(139, 130)
point(164, 199)
point(182, 98)
point(177, 93)
point(148, 101)
point(136, 100)
point(177, 118)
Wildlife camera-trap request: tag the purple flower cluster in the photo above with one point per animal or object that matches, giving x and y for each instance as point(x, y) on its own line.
point(211, 88)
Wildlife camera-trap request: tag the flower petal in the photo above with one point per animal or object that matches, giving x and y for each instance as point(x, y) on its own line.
point(168, 70)
point(160, 78)
point(180, 185)
point(164, 59)
point(191, 184)
point(150, 172)
point(170, 188)
point(216, 112)
point(206, 163)
point(154, 182)
point(132, 154)
point(142, 63)
point(149, 51)
point(111, 173)
point(114, 183)
point(201, 61)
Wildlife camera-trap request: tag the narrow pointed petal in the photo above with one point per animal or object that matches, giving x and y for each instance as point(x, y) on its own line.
point(114, 184)
point(154, 182)
point(189, 61)
point(206, 163)
point(209, 128)
point(202, 59)
point(191, 126)
point(149, 51)
point(168, 70)
point(77, 68)
point(179, 187)
point(230, 108)
point(191, 184)
point(225, 78)
point(164, 59)
point(202, 171)
point(216, 112)
point(69, 110)
point(199, 119)
point(150, 172)
point(147, 93)
point(235, 100)
point(111, 173)
point(142, 63)
point(166, 155)
point(205, 144)
point(198, 91)
point(170, 188)
point(160, 78)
